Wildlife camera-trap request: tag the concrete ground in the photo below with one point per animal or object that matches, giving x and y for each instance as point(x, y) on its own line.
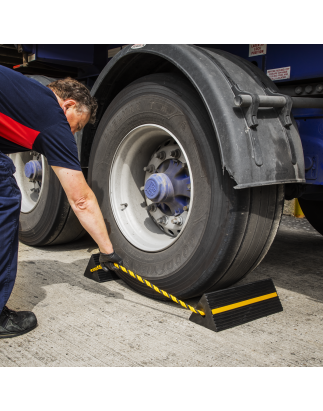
point(83, 323)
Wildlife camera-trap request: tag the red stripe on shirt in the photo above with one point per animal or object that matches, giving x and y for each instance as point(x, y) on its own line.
point(17, 133)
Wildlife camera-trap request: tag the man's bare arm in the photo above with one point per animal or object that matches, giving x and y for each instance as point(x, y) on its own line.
point(85, 206)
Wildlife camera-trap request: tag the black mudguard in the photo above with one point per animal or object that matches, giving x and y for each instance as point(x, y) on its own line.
point(269, 153)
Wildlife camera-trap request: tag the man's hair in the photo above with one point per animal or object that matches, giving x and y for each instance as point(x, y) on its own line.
point(69, 88)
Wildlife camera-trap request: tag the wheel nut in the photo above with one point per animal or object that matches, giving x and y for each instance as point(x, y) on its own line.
point(175, 153)
point(185, 208)
point(161, 155)
point(189, 187)
point(177, 220)
point(162, 220)
point(152, 208)
point(150, 168)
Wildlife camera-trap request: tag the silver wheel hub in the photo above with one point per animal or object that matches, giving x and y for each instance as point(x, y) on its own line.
point(151, 188)
point(29, 174)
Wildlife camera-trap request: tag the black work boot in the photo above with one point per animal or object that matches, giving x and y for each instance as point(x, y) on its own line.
point(14, 323)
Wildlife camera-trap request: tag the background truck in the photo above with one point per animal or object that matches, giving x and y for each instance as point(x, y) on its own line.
point(194, 150)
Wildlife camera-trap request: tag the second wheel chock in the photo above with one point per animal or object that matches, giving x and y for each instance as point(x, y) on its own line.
point(237, 305)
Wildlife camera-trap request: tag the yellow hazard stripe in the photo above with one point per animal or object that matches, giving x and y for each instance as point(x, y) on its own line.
point(173, 298)
point(243, 303)
point(98, 267)
point(158, 290)
point(192, 309)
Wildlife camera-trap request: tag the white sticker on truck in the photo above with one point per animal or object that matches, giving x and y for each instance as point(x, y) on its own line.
point(137, 46)
point(282, 73)
point(257, 49)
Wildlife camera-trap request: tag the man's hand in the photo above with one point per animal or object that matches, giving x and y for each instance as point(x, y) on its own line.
point(107, 260)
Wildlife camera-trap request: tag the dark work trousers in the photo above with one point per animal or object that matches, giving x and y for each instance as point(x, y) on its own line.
point(10, 201)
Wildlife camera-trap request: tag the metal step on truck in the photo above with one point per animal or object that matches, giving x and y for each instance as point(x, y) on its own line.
point(194, 151)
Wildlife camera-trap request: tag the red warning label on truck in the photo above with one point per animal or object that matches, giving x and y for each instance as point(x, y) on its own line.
point(257, 49)
point(279, 73)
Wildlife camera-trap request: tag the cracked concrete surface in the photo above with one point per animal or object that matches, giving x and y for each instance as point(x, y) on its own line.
point(83, 323)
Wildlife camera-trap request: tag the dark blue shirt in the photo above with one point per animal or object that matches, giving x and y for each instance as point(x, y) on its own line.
point(32, 119)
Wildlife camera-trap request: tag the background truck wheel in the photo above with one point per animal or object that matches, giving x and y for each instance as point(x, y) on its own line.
point(179, 222)
point(313, 212)
point(46, 216)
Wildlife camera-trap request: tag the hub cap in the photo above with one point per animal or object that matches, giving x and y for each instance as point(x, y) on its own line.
point(33, 170)
point(170, 191)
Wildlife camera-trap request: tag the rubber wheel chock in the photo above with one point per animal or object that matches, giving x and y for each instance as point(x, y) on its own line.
point(237, 305)
point(93, 272)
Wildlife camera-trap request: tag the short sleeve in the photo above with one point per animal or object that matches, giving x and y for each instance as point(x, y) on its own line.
point(58, 145)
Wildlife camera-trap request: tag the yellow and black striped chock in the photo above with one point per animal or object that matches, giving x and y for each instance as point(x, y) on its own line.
point(237, 305)
point(95, 272)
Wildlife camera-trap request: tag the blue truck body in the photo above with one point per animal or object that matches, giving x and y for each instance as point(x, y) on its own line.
point(306, 73)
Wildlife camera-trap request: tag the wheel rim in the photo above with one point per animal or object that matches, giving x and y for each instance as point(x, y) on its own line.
point(151, 206)
point(31, 187)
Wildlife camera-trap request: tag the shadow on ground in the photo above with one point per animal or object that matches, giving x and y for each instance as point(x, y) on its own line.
point(33, 277)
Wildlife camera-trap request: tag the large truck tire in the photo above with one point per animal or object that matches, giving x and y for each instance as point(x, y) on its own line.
point(313, 212)
point(159, 122)
point(46, 216)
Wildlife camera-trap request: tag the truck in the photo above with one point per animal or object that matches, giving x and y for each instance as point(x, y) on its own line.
point(194, 151)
